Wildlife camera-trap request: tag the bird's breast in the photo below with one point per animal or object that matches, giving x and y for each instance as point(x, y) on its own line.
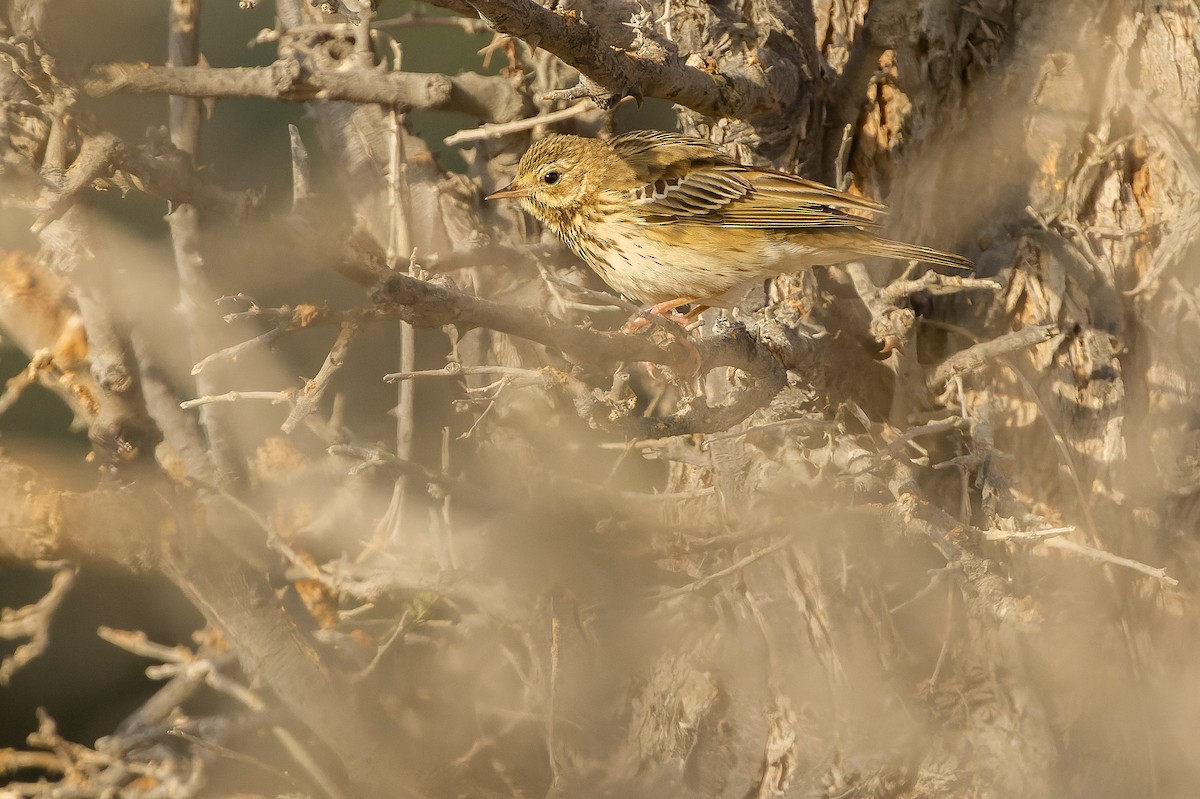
point(655, 263)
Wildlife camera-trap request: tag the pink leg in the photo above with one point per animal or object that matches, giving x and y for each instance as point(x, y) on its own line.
point(663, 309)
point(667, 310)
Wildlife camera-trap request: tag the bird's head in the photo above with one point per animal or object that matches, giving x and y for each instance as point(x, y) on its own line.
point(559, 172)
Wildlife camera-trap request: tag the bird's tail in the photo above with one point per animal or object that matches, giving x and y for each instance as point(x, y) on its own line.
point(914, 252)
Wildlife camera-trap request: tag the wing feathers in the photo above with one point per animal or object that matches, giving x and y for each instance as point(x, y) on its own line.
point(693, 180)
point(729, 195)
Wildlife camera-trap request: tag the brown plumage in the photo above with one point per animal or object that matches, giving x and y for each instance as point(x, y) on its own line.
point(671, 219)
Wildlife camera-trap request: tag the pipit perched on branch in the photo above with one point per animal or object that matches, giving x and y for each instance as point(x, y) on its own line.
point(670, 219)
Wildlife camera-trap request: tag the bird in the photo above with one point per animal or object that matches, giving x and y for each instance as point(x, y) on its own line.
point(671, 220)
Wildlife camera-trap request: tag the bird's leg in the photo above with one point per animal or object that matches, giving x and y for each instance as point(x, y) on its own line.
point(670, 305)
point(663, 309)
point(666, 310)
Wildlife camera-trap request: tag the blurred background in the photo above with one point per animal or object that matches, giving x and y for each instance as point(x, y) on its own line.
point(820, 600)
point(86, 684)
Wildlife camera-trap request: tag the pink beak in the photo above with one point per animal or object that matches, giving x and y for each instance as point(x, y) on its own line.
point(510, 191)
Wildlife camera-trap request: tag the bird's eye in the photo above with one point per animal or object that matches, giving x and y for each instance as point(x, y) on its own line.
point(551, 177)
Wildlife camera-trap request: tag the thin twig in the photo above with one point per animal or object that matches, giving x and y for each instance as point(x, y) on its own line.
point(233, 352)
point(696, 585)
point(16, 385)
point(898, 443)
point(977, 355)
point(1101, 556)
point(496, 130)
point(32, 622)
point(455, 369)
point(195, 291)
point(302, 193)
point(1026, 535)
point(306, 400)
point(275, 397)
point(138, 643)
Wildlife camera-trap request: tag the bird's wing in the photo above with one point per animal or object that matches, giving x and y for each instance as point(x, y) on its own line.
point(731, 195)
point(702, 195)
point(655, 154)
point(780, 200)
point(685, 178)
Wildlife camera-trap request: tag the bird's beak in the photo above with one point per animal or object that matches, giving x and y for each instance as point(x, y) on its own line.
point(511, 191)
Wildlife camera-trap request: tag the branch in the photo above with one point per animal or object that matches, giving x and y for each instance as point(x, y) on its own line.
point(1051, 537)
point(275, 650)
point(611, 73)
point(97, 155)
point(275, 397)
point(733, 568)
point(429, 304)
point(149, 524)
point(32, 622)
point(308, 398)
point(1101, 556)
point(121, 430)
point(424, 303)
point(890, 306)
point(492, 98)
point(977, 355)
point(499, 130)
point(38, 522)
point(232, 352)
point(168, 173)
point(988, 593)
point(736, 348)
point(455, 369)
point(220, 460)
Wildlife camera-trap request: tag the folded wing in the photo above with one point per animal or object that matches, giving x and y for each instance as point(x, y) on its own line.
point(692, 180)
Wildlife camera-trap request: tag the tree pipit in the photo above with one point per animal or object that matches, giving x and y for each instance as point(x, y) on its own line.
point(669, 220)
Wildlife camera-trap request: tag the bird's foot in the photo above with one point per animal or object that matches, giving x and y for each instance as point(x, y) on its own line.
point(664, 310)
point(669, 321)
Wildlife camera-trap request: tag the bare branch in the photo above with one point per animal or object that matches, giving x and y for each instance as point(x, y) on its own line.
point(721, 573)
point(232, 353)
point(122, 430)
point(96, 158)
point(455, 369)
point(490, 98)
point(302, 193)
point(165, 172)
point(32, 622)
point(1023, 536)
point(275, 397)
point(1101, 556)
point(427, 304)
point(612, 73)
point(195, 293)
point(977, 355)
point(500, 129)
point(306, 400)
